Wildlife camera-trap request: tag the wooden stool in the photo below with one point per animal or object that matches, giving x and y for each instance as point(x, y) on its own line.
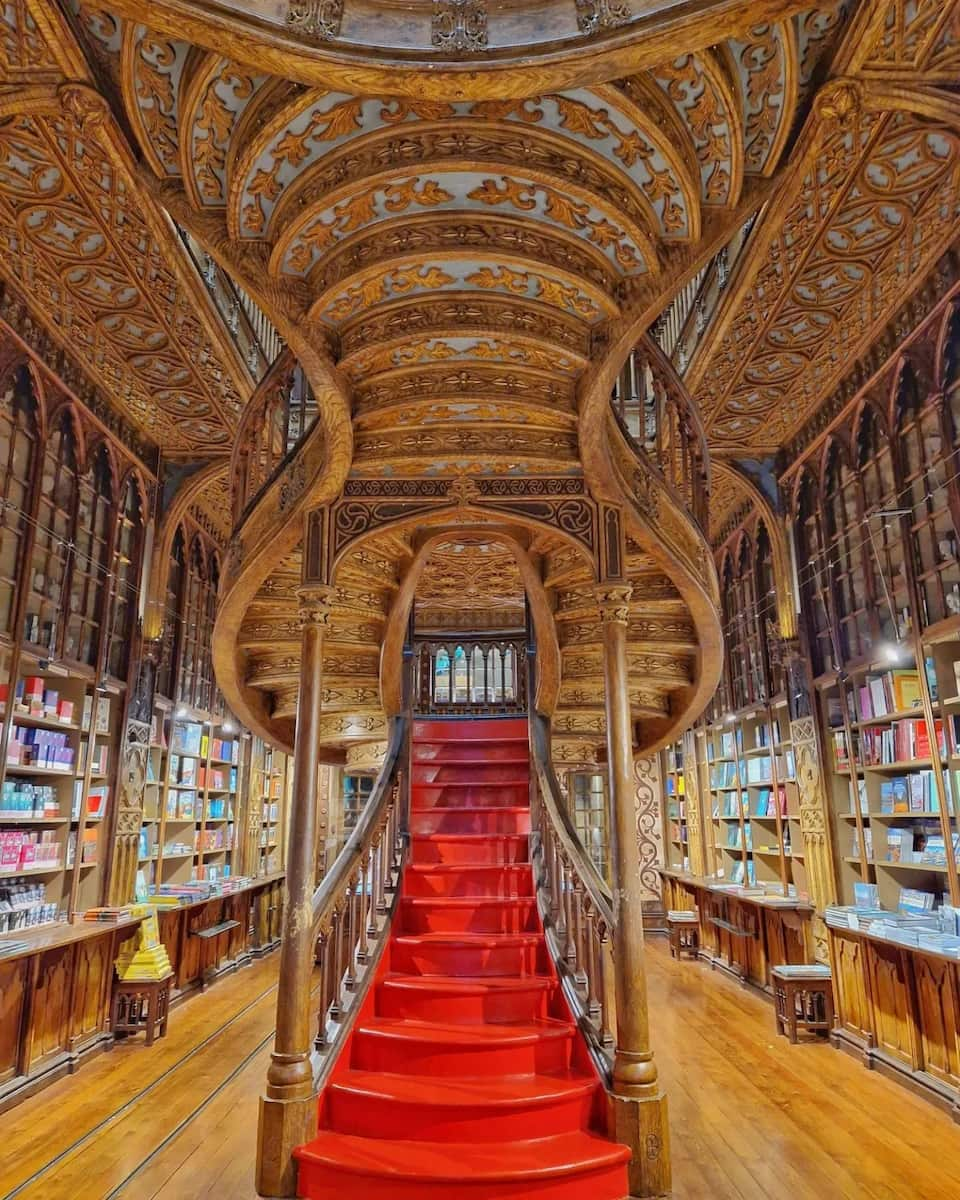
point(803, 996)
point(141, 1005)
point(684, 929)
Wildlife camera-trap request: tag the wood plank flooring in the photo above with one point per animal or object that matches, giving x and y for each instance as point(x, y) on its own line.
point(751, 1116)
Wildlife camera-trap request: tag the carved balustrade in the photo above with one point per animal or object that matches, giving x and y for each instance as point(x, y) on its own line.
point(663, 427)
point(576, 907)
point(476, 676)
point(351, 906)
point(277, 418)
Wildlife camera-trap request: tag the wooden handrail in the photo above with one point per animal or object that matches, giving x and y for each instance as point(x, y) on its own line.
point(277, 418)
point(351, 906)
point(576, 906)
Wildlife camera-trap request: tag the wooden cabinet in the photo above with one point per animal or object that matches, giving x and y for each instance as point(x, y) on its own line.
point(55, 993)
point(900, 1009)
point(747, 935)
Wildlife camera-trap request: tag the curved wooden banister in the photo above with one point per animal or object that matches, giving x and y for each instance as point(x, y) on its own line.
point(575, 904)
point(351, 904)
point(671, 437)
point(280, 413)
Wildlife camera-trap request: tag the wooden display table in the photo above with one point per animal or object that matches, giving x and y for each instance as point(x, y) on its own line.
point(898, 1010)
point(206, 938)
point(141, 1006)
point(803, 995)
point(745, 935)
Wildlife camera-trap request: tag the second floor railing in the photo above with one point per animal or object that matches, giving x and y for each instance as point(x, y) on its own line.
point(662, 423)
point(279, 415)
point(470, 676)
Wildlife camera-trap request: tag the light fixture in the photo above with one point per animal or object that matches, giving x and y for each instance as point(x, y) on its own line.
point(182, 711)
point(228, 727)
point(890, 652)
point(729, 718)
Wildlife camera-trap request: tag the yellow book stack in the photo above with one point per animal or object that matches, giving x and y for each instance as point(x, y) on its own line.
point(143, 957)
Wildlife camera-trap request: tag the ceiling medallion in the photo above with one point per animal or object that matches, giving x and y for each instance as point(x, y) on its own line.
point(595, 15)
point(316, 20)
point(459, 25)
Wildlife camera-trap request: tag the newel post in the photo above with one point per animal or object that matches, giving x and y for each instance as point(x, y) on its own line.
point(288, 1109)
point(638, 1106)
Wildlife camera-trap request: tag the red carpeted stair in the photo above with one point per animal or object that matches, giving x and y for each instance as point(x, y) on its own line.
point(464, 1076)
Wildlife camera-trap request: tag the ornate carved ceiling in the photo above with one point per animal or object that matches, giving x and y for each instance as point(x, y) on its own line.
point(97, 261)
point(457, 49)
point(470, 582)
point(870, 201)
point(460, 260)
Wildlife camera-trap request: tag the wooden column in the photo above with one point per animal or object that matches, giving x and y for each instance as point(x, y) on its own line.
point(288, 1110)
point(638, 1106)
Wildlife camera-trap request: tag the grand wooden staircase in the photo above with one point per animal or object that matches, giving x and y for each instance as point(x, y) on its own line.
point(465, 1073)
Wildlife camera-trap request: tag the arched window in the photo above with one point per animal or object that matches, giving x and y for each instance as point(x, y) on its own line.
point(441, 677)
point(767, 612)
point(814, 579)
point(56, 506)
point(509, 674)
point(461, 686)
point(172, 625)
point(207, 695)
point(846, 555)
point(478, 676)
point(927, 463)
point(18, 458)
point(882, 530)
point(192, 622)
point(128, 547)
point(88, 567)
point(496, 675)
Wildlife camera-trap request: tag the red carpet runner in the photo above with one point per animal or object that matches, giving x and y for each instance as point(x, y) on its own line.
point(464, 1075)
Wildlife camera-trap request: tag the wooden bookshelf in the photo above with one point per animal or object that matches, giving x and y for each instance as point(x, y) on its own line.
point(750, 798)
point(61, 728)
point(675, 829)
point(893, 812)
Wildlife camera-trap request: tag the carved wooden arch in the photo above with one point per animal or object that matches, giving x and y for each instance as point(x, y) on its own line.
point(169, 523)
point(548, 647)
point(568, 511)
point(98, 444)
point(63, 407)
point(950, 317)
point(779, 550)
point(513, 71)
point(879, 409)
point(38, 392)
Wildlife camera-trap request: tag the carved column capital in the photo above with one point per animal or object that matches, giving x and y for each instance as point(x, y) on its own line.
point(614, 601)
point(314, 601)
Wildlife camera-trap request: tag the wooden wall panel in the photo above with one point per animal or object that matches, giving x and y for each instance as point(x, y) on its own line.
point(14, 979)
point(850, 993)
point(891, 1002)
point(93, 978)
point(938, 1017)
point(50, 1011)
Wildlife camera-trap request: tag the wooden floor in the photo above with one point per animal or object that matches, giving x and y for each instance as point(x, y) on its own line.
point(751, 1116)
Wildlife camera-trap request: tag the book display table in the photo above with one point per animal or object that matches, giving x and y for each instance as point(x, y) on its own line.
point(747, 935)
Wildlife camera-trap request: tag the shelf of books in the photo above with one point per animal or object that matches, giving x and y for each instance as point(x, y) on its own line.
point(752, 834)
point(193, 798)
point(270, 780)
point(56, 776)
point(676, 839)
point(895, 827)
